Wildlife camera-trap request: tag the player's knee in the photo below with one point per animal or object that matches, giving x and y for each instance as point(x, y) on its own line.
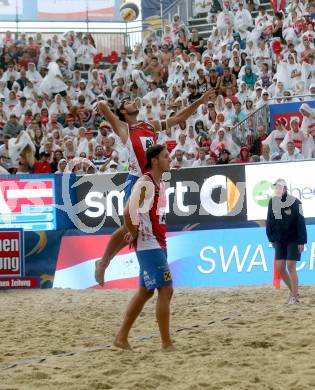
point(291, 268)
point(166, 292)
point(281, 268)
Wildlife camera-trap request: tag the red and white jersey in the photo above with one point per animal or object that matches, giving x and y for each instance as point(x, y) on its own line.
point(152, 222)
point(141, 136)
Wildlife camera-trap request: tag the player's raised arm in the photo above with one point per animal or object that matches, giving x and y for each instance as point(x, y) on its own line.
point(119, 127)
point(184, 114)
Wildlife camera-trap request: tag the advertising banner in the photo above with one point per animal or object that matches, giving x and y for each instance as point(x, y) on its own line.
point(151, 13)
point(207, 258)
point(12, 261)
point(60, 10)
point(287, 111)
point(76, 9)
point(215, 194)
point(259, 190)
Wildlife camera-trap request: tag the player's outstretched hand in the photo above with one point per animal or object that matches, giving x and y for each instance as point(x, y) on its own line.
point(207, 95)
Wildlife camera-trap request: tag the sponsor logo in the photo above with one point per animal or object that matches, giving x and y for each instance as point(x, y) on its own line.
point(219, 195)
point(262, 193)
point(11, 253)
point(167, 276)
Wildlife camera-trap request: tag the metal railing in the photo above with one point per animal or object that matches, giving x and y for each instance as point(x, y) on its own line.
point(184, 8)
point(260, 117)
point(246, 130)
point(118, 36)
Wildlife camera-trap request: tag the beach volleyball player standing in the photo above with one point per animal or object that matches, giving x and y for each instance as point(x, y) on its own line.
point(144, 220)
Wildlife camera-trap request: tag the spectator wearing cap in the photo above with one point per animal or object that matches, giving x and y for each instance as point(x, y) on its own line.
point(224, 157)
point(104, 129)
point(286, 230)
point(70, 128)
point(12, 127)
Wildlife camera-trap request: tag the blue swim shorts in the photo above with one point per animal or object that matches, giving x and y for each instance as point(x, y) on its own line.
point(154, 269)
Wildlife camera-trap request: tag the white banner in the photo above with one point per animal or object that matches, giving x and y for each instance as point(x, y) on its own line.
point(76, 9)
point(300, 179)
point(11, 7)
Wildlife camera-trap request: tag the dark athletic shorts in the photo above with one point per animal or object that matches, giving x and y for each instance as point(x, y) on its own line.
point(287, 251)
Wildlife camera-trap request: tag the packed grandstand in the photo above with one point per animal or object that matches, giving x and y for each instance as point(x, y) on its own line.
point(49, 91)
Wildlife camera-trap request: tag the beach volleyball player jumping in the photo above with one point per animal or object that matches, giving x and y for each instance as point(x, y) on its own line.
point(137, 136)
point(144, 221)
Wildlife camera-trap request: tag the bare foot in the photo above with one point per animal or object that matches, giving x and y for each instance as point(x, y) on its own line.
point(168, 348)
point(99, 273)
point(122, 344)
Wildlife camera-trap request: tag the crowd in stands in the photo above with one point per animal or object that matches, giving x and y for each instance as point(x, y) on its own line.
point(49, 92)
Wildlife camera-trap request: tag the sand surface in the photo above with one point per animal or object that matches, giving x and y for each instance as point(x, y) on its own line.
point(242, 338)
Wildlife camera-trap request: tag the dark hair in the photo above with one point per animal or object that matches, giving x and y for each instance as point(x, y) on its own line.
point(152, 152)
point(120, 115)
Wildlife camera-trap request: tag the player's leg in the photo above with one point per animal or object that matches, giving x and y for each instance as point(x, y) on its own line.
point(281, 256)
point(163, 316)
point(293, 255)
point(291, 264)
point(133, 310)
point(115, 244)
point(281, 267)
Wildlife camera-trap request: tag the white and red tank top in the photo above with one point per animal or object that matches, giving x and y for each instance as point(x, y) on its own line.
point(152, 223)
point(141, 136)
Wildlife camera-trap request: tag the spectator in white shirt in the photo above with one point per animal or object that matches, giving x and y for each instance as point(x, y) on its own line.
point(292, 153)
point(179, 161)
point(202, 161)
point(86, 52)
point(33, 75)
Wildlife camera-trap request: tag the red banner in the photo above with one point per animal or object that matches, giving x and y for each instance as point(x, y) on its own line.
point(12, 283)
